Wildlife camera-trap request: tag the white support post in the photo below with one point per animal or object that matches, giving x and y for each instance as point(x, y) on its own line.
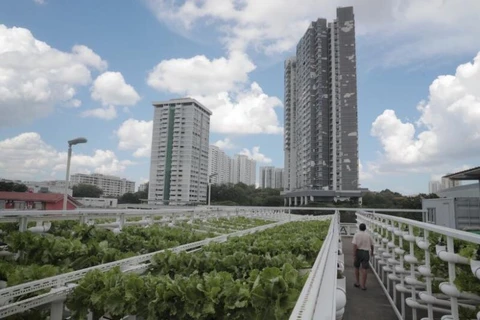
point(451, 278)
point(402, 277)
point(412, 273)
point(56, 310)
point(428, 279)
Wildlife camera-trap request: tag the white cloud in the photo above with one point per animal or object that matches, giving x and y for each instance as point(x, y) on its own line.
point(107, 113)
point(276, 26)
point(39, 1)
point(448, 128)
point(256, 155)
point(364, 174)
point(222, 86)
point(110, 88)
point(224, 144)
point(35, 77)
point(135, 135)
point(201, 76)
point(28, 157)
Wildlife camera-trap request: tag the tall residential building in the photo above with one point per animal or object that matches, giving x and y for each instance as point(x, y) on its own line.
point(111, 185)
point(434, 186)
point(219, 165)
point(244, 170)
point(179, 160)
point(267, 177)
point(449, 183)
point(279, 178)
point(321, 125)
point(271, 177)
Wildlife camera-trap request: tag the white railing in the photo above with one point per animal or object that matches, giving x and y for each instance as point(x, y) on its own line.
point(324, 295)
point(420, 262)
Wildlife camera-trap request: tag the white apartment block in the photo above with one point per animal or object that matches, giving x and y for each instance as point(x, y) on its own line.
point(244, 170)
point(52, 186)
point(219, 165)
point(180, 147)
point(271, 177)
point(279, 178)
point(434, 186)
point(111, 185)
point(449, 183)
point(143, 187)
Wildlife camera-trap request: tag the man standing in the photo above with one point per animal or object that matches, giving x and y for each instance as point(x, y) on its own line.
point(362, 245)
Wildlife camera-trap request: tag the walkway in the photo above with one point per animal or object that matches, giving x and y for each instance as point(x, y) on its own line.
point(371, 304)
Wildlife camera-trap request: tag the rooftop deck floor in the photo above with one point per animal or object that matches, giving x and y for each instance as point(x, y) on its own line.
point(371, 304)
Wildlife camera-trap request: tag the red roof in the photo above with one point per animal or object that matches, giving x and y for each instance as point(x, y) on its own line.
point(35, 197)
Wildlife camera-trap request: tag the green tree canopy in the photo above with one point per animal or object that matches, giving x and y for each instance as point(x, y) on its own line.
point(243, 195)
point(87, 191)
point(129, 197)
point(12, 186)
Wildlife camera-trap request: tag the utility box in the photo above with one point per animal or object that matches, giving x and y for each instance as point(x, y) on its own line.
point(456, 213)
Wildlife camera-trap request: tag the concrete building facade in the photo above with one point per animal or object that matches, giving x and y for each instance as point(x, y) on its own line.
point(219, 165)
point(111, 185)
point(271, 177)
point(244, 170)
point(180, 147)
point(321, 119)
point(50, 186)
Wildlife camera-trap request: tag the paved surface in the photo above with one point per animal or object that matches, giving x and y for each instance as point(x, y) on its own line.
point(371, 304)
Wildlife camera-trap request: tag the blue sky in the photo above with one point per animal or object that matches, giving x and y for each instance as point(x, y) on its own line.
point(92, 68)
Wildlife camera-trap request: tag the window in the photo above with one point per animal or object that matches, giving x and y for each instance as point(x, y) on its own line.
point(431, 216)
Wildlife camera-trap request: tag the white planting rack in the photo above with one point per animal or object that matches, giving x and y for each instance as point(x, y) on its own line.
point(60, 286)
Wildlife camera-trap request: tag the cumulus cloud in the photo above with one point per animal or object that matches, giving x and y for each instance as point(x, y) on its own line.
point(39, 1)
point(222, 86)
point(256, 155)
point(111, 90)
point(199, 75)
point(135, 135)
point(28, 157)
point(107, 113)
point(34, 77)
point(224, 144)
point(390, 27)
point(448, 128)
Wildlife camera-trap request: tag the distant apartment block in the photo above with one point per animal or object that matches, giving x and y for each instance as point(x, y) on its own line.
point(219, 165)
point(51, 186)
point(434, 186)
point(179, 158)
point(225, 169)
point(244, 170)
point(111, 185)
point(279, 178)
point(321, 118)
point(271, 177)
point(143, 187)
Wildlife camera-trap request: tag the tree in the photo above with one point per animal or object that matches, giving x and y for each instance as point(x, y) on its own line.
point(129, 198)
point(86, 191)
point(12, 186)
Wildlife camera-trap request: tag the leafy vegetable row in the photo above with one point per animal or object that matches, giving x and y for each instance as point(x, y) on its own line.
point(251, 277)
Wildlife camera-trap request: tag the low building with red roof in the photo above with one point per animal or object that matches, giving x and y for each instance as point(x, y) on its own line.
point(35, 201)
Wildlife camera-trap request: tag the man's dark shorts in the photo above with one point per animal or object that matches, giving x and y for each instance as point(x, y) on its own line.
point(361, 259)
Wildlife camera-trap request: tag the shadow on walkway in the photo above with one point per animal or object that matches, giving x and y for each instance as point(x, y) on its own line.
point(371, 304)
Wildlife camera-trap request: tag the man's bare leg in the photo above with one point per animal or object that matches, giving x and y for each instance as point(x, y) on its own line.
point(364, 278)
point(357, 276)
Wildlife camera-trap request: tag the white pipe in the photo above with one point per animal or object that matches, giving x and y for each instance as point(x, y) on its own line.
point(451, 257)
point(340, 302)
point(416, 305)
point(41, 228)
point(445, 303)
point(452, 291)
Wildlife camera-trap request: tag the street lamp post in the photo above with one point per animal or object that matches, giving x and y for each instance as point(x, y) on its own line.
point(70, 144)
point(210, 186)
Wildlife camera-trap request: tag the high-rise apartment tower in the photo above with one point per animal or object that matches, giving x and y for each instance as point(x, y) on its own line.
point(179, 161)
point(321, 126)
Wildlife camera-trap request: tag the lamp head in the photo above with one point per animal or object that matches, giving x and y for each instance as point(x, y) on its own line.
point(77, 141)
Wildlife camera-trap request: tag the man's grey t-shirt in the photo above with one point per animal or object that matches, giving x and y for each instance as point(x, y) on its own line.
point(363, 240)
